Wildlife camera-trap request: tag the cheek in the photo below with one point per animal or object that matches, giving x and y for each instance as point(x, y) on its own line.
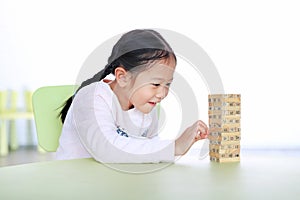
point(167, 91)
point(142, 95)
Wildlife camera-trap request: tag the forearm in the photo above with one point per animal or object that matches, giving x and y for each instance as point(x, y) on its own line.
point(183, 144)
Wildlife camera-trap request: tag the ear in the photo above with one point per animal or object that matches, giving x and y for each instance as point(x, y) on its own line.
point(122, 76)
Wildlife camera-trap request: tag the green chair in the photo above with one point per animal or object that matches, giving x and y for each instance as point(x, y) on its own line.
point(47, 103)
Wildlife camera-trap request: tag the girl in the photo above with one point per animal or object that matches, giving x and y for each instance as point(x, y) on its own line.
point(115, 121)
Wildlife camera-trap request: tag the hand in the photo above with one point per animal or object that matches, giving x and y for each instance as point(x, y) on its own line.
point(202, 131)
point(197, 131)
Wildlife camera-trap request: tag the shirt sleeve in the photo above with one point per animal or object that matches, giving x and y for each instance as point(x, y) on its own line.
point(96, 130)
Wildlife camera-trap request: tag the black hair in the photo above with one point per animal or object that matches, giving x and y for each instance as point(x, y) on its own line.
point(135, 48)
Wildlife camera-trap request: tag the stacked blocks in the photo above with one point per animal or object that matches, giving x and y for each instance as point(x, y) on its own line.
point(224, 127)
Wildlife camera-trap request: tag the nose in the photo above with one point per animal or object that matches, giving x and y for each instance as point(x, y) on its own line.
point(162, 92)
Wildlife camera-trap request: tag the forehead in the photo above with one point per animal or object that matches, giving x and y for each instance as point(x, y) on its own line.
point(159, 70)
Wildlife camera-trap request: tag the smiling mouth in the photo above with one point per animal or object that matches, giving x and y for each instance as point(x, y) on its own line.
point(152, 103)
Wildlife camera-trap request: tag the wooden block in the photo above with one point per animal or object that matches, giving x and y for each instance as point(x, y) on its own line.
point(222, 137)
point(220, 155)
point(230, 151)
point(223, 105)
point(224, 128)
point(230, 145)
point(224, 152)
point(224, 98)
point(225, 160)
point(224, 119)
point(230, 111)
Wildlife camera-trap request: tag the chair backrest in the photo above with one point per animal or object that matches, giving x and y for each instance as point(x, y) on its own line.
point(47, 103)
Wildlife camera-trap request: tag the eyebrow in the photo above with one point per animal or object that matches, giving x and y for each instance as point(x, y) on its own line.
point(162, 79)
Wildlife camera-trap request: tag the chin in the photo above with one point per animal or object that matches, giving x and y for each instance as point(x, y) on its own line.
point(145, 111)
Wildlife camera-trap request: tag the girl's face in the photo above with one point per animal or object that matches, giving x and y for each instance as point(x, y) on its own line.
point(152, 85)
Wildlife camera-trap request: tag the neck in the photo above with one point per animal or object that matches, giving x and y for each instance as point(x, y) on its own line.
point(121, 94)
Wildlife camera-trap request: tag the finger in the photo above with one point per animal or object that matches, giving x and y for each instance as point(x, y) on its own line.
point(201, 126)
point(203, 135)
point(201, 123)
point(200, 130)
point(198, 137)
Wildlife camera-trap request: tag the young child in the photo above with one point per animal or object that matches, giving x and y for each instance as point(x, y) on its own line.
point(116, 121)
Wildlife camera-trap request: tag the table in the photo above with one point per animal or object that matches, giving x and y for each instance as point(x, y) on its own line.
point(259, 175)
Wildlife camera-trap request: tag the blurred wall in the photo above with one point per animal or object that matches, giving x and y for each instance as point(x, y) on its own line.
point(254, 44)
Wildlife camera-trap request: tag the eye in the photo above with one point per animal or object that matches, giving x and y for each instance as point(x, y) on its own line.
point(155, 84)
point(168, 84)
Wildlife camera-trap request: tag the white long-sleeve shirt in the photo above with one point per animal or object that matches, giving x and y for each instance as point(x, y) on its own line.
point(96, 126)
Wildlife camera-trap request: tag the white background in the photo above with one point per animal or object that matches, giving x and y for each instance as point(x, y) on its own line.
point(254, 44)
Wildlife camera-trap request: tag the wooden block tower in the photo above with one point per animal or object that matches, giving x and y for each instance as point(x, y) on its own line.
point(224, 114)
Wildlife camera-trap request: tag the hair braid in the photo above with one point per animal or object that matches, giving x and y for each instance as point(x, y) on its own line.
point(97, 77)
